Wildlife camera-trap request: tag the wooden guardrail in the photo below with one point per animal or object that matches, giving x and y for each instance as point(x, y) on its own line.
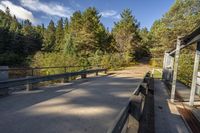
point(4, 85)
point(36, 71)
point(129, 118)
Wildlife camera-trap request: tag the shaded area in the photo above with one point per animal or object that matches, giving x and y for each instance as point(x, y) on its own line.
point(191, 120)
point(147, 119)
point(182, 92)
point(167, 118)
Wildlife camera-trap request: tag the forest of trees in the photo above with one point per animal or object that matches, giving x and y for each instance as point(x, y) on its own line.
point(182, 18)
point(82, 40)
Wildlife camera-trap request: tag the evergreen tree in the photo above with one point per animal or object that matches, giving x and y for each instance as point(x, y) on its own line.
point(66, 26)
point(182, 18)
point(59, 35)
point(69, 47)
point(89, 33)
point(15, 26)
point(126, 35)
point(49, 38)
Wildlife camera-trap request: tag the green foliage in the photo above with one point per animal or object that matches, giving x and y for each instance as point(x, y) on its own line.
point(49, 38)
point(16, 46)
point(59, 36)
point(126, 35)
point(47, 59)
point(182, 18)
point(143, 49)
point(81, 41)
point(185, 69)
point(156, 62)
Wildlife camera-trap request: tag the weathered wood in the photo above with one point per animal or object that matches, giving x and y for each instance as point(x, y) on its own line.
point(194, 78)
point(65, 80)
point(192, 38)
point(4, 76)
point(132, 112)
point(175, 69)
point(83, 76)
point(29, 86)
point(31, 80)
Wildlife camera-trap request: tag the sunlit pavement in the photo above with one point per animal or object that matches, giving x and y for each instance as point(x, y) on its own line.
point(90, 105)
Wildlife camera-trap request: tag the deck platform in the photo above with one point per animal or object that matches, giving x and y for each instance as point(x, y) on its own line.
point(167, 117)
point(183, 93)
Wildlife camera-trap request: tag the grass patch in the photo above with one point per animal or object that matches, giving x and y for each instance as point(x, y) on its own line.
point(157, 74)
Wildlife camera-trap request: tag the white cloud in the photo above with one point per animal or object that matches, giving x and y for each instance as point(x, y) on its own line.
point(118, 16)
point(49, 8)
point(108, 13)
point(18, 11)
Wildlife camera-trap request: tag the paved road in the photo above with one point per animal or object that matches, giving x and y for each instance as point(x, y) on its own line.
point(89, 105)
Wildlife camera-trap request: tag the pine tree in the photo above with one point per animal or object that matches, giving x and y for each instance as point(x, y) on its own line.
point(14, 26)
point(66, 26)
point(182, 18)
point(49, 38)
point(59, 35)
point(126, 35)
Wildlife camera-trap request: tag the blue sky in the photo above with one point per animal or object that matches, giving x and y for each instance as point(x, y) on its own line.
point(41, 11)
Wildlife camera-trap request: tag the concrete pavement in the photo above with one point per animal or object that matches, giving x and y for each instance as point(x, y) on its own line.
point(89, 105)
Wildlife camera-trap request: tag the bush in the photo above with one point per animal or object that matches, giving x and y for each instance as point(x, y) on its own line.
point(156, 62)
point(110, 61)
point(51, 60)
point(185, 69)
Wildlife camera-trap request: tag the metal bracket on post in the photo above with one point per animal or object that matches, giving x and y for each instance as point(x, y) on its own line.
point(195, 72)
point(173, 90)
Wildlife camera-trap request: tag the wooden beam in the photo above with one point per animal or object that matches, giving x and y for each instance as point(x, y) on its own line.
point(195, 73)
point(31, 80)
point(173, 90)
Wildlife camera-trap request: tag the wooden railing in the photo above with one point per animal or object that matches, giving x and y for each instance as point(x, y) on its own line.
point(4, 85)
point(43, 71)
point(134, 109)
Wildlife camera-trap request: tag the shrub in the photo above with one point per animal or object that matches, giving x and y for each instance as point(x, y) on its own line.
point(51, 60)
point(185, 69)
point(156, 62)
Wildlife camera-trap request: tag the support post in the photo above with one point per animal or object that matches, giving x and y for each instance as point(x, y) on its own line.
point(195, 72)
point(64, 80)
point(106, 71)
point(84, 75)
point(97, 73)
point(173, 90)
point(164, 60)
point(164, 66)
point(29, 86)
point(4, 75)
point(32, 72)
